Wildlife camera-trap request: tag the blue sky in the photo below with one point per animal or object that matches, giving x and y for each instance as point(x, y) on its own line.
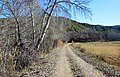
point(105, 12)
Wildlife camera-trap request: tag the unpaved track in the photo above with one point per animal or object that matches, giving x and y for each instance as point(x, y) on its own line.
point(63, 66)
point(86, 68)
point(59, 66)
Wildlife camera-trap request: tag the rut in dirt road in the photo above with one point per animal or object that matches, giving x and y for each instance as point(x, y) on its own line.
point(63, 66)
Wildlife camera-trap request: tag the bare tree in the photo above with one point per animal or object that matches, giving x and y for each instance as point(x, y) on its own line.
point(18, 13)
point(10, 6)
point(64, 5)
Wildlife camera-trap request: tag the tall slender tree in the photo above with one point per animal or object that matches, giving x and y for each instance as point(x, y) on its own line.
point(64, 7)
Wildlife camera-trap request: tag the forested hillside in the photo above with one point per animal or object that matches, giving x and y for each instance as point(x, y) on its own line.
point(87, 32)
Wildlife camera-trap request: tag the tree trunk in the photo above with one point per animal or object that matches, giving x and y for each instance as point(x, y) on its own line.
point(40, 40)
point(18, 31)
point(16, 20)
point(33, 25)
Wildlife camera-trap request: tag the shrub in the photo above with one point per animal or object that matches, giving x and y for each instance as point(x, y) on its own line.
point(22, 59)
point(82, 50)
point(100, 58)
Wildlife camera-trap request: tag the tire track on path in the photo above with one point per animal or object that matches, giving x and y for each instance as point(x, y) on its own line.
point(63, 67)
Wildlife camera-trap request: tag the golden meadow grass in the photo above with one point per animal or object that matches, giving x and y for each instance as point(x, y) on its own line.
point(110, 51)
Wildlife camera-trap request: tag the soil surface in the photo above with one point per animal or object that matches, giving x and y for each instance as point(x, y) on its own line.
point(62, 62)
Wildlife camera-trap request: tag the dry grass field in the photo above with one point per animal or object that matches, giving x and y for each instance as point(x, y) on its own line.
point(109, 51)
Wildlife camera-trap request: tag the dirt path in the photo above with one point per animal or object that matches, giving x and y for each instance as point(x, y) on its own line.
point(86, 68)
point(63, 66)
point(58, 64)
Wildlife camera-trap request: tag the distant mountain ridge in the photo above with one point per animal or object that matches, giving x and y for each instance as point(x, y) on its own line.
point(116, 27)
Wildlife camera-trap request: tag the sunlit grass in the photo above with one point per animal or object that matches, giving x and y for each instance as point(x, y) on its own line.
point(110, 51)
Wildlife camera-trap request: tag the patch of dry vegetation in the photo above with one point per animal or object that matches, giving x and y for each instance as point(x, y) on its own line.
point(60, 43)
point(107, 51)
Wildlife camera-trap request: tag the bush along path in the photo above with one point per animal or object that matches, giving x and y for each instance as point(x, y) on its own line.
point(44, 67)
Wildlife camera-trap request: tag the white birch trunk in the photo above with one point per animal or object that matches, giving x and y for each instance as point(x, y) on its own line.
point(40, 40)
